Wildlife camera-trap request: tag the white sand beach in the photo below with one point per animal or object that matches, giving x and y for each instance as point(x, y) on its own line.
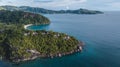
point(25, 26)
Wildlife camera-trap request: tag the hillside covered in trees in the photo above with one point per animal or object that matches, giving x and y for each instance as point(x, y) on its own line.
point(20, 17)
point(47, 11)
point(18, 44)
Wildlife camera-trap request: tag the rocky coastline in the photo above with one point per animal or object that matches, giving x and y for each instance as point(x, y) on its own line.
point(38, 55)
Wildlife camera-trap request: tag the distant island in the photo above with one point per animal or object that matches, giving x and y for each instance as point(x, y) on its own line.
point(46, 11)
point(18, 44)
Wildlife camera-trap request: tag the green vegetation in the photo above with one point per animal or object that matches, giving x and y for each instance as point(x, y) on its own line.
point(1, 8)
point(46, 11)
point(45, 42)
point(20, 17)
point(18, 44)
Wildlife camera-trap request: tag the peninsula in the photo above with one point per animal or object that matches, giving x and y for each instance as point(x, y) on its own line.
point(18, 44)
point(48, 11)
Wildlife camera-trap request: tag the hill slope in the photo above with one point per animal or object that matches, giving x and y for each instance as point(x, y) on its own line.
point(18, 44)
point(20, 17)
point(46, 11)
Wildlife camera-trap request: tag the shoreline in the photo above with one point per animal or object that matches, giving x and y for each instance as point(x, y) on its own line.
point(38, 55)
point(25, 26)
point(35, 54)
point(28, 25)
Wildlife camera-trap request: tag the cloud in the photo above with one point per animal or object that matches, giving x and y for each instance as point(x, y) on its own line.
point(66, 4)
point(115, 4)
point(10, 2)
point(43, 1)
point(60, 3)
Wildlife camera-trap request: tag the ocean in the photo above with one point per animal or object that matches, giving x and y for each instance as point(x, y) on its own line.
point(100, 33)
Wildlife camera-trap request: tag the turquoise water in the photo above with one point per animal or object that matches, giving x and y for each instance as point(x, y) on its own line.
point(100, 33)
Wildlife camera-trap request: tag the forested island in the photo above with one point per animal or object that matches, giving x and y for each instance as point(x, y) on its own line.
point(18, 44)
point(47, 11)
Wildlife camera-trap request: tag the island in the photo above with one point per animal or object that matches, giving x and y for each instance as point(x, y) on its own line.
point(18, 44)
point(47, 11)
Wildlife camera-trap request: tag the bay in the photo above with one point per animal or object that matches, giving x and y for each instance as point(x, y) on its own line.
point(100, 33)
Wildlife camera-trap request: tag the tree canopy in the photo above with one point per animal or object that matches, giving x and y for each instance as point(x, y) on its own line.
point(19, 43)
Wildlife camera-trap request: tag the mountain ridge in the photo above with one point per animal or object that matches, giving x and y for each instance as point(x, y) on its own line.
point(47, 11)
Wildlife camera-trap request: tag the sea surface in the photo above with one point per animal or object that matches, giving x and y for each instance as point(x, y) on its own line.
point(100, 33)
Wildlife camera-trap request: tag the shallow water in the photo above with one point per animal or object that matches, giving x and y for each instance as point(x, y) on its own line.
point(100, 33)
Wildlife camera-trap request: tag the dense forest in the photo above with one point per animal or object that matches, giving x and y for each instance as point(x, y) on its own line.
point(18, 44)
point(20, 17)
point(46, 11)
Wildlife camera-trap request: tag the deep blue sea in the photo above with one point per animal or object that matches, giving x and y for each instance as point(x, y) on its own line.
point(100, 33)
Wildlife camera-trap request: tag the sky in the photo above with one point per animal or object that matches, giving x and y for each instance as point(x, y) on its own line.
point(104, 5)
